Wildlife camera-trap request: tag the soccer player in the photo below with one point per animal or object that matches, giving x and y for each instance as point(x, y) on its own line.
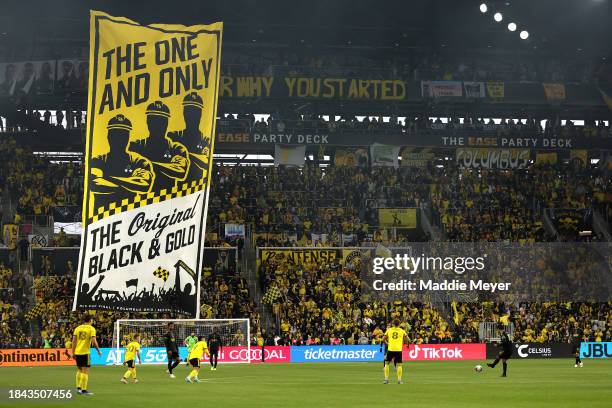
point(172, 350)
point(576, 353)
point(505, 354)
point(190, 342)
point(82, 339)
point(131, 350)
point(394, 337)
point(194, 359)
point(214, 343)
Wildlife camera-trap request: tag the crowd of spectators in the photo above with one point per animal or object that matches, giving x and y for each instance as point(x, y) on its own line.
point(541, 321)
point(489, 205)
point(32, 119)
point(36, 185)
point(335, 202)
point(323, 302)
point(290, 206)
point(14, 329)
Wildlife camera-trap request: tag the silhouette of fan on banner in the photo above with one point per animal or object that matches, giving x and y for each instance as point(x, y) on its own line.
point(170, 159)
point(192, 138)
point(119, 174)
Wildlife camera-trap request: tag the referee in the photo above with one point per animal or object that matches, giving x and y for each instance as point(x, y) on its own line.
point(171, 350)
point(214, 344)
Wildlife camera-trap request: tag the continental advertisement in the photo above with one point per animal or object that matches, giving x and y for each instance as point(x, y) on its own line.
point(35, 357)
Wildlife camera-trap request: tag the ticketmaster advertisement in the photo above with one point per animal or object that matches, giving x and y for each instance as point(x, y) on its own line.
point(330, 354)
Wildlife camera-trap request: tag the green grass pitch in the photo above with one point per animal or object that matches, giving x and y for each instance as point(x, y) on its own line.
point(531, 383)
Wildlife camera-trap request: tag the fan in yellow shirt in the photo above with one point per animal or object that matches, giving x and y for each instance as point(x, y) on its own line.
point(394, 337)
point(82, 339)
point(195, 355)
point(131, 351)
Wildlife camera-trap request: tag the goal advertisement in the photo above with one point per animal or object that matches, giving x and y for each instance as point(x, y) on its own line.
point(148, 160)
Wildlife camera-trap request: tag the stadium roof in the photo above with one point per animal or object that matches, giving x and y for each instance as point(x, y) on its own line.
point(567, 26)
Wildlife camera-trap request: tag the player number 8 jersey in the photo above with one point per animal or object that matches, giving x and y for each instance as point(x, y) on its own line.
point(395, 337)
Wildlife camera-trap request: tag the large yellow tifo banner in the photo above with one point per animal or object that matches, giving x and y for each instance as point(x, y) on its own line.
point(397, 218)
point(150, 140)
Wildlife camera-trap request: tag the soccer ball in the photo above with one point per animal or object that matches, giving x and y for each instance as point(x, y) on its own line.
point(478, 368)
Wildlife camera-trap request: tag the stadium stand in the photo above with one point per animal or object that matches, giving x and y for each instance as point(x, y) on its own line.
point(321, 302)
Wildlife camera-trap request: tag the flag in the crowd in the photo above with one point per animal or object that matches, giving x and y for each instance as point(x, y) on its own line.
point(35, 311)
point(351, 157)
point(289, 155)
point(579, 156)
point(455, 312)
point(321, 154)
point(474, 89)
point(496, 90)
point(384, 155)
point(546, 158)
point(206, 311)
point(271, 295)
point(554, 92)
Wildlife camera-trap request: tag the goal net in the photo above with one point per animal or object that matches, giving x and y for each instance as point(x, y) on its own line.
point(234, 334)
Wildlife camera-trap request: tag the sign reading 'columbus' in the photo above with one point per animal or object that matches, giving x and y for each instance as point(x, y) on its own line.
point(150, 139)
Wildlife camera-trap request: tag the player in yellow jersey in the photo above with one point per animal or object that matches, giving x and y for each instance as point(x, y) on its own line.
point(195, 355)
point(83, 338)
point(394, 337)
point(131, 351)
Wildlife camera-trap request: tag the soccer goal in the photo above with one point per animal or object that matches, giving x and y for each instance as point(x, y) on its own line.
point(234, 333)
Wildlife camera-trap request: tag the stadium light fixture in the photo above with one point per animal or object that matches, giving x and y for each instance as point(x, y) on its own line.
point(483, 8)
point(498, 17)
point(524, 35)
point(512, 26)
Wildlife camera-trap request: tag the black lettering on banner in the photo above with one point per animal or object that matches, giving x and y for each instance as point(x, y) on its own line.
point(154, 249)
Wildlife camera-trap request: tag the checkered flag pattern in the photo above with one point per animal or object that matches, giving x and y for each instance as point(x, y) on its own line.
point(150, 198)
point(161, 273)
point(35, 311)
point(271, 295)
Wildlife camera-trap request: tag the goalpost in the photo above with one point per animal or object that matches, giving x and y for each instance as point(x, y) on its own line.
point(233, 332)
